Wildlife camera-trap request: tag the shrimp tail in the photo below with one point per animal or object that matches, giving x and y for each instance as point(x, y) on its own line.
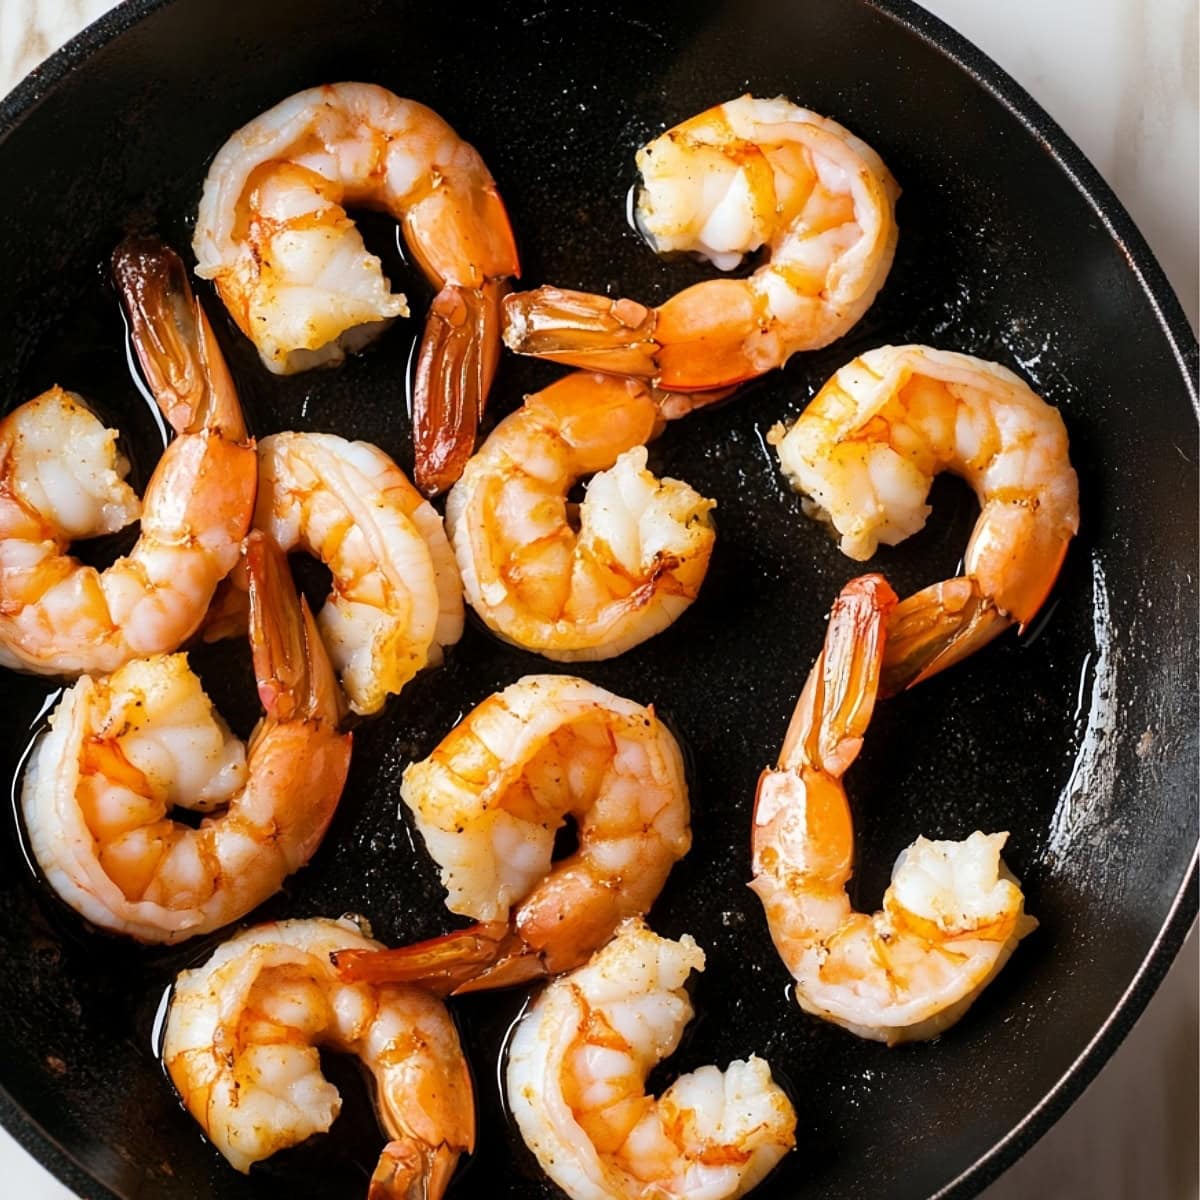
point(583, 330)
point(801, 826)
point(936, 628)
point(459, 353)
point(409, 1169)
point(175, 345)
point(835, 707)
point(681, 346)
point(481, 957)
point(291, 665)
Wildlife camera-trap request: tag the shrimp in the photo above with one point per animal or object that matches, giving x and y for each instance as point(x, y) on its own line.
point(746, 174)
point(122, 751)
point(488, 802)
point(273, 234)
point(953, 913)
point(576, 1078)
point(866, 451)
point(62, 479)
point(241, 1041)
point(589, 588)
point(397, 599)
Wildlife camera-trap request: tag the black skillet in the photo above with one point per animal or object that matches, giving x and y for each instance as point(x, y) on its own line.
point(1080, 739)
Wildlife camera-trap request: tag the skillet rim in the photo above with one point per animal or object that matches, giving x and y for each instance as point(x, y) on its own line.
point(73, 56)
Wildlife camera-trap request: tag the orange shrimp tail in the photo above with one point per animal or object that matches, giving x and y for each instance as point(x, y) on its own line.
point(936, 628)
point(408, 1169)
point(583, 330)
point(459, 353)
point(479, 958)
point(700, 341)
point(835, 707)
point(801, 823)
point(175, 345)
point(291, 665)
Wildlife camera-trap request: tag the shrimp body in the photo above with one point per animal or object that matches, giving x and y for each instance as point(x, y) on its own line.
point(742, 176)
point(241, 1047)
point(273, 234)
point(576, 1079)
point(953, 913)
point(62, 479)
point(122, 751)
point(641, 547)
point(866, 451)
point(488, 802)
point(396, 600)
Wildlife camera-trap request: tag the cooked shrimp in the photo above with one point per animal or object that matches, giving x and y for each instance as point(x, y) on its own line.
point(746, 174)
point(62, 479)
point(273, 234)
point(488, 802)
point(589, 588)
point(953, 913)
point(123, 751)
point(866, 451)
point(397, 599)
point(241, 1042)
point(576, 1082)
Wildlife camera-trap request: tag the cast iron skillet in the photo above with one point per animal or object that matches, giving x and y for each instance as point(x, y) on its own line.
point(1080, 739)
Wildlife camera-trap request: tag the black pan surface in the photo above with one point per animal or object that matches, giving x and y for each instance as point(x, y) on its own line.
point(1081, 739)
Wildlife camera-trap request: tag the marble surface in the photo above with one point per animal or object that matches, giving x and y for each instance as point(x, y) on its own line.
point(1120, 76)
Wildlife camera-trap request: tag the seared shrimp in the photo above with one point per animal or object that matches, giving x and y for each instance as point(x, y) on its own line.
point(953, 913)
point(488, 802)
point(123, 751)
point(397, 599)
point(746, 174)
point(241, 1043)
point(866, 451)
point(629, 565)
point(576, 1083)
point(62, 479)
point(273, 234)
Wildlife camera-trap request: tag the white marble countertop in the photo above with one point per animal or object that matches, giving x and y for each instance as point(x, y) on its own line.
point(1120, 76)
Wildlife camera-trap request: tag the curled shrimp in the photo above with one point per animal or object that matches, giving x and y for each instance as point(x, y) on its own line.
point(587, 581)
point(866, 451)
point(62, 479)
point(241, 1041)
point(123, 751)
point(396, 600)
point(746, 174)
point(488, 802)
point(953, 913)
point(273, 234)
point(576, 1080)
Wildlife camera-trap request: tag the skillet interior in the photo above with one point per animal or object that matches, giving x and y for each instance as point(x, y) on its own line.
point(1081, 740)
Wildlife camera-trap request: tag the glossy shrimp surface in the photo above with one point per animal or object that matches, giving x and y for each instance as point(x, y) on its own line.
point(62, 480)
point(490, 799)
point(241, 1047)
point(396, 600)
point(953, 913)
point(576, 1080)
point(866, 450)
point(588, 581)
point(274, 235)
point(751, 174)
point(123, 751)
